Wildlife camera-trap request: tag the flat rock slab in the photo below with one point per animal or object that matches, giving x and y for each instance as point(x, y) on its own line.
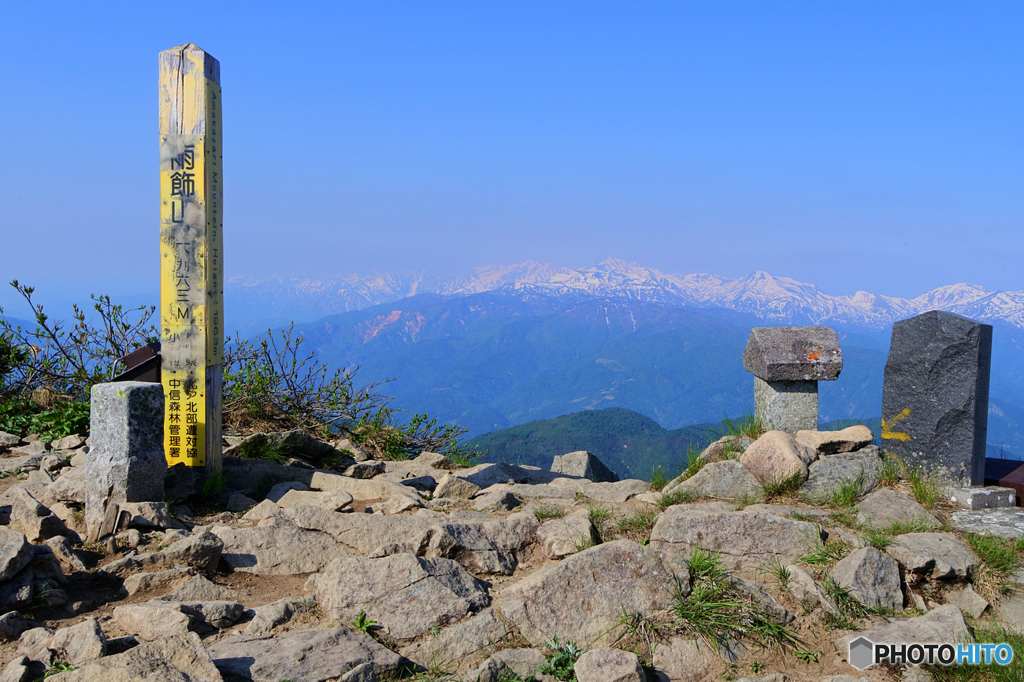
point(725, 479)
point(581, 598)
point(617, 492)
point(944, 624)
point(407, 595)
point(365, 533)
point(831, 471)
point(684, 660)
point(886, 506)
point(460, 642)
point(849, 439)
point(744, 540)
point(793, 354)
point(301, 655)
point(278, 548)
point(1004, 523)
point(179, 658)
point(937, 555)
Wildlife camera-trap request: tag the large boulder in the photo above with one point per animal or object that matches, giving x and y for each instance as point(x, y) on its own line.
point(583, 597)
point(302, 655)
point(583, 464)
point(458, 642)
point(776, 456)
point(407, 595)
point(744, 540)
point(561, 537)
point(31, 518)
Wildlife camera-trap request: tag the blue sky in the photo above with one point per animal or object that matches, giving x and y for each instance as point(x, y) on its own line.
point(872, 146)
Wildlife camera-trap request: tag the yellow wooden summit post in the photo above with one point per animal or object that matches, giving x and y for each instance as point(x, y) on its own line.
point(191, 256)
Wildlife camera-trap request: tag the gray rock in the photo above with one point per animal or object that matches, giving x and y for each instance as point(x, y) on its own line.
point(352, 450)
point(788, 406)
point(176, 658)
point(365, 469)
point(871, 577)
point(239, 502)
point(583, 464)
point(280, 490)
point(805, 590)
point(850, 439)
point(684, 660)
point(81, 643)
point(559, 538)
point(140, 582)
point(969, 601)
point(776, 456)
point(70, 486)
point(301, 655)
point(521, 662)
point(944, 624)
point(22, 463)
point(201, 551)
point(497, 501)
point(12, 624)
point(126, 462)
point(54, 462)
point(18, 670)
point(618, 492)
point(267, 617)
point(278, 548)
point(364, 533)
point(425, 484)
point(745, 540)
point(34, 644)
point(154, 619)
point(218, 614)
point(935, 555)
point(199, 589)
point(453, 486)
point(988, 497)
point(72, 442)
point(1011, 612)
point(486, 475)
point(9, 440)
point(397, 504)
point(830, 472)
point(609, 665)
point(150, 515)
point(31, 518)
point(485, 547)
point(725, 479)
point(886, 506)
point(582, 597)
point(457, 643)
point(1004, 523)
point(793, 354)
point(405, 594)
point(65, 553)
point(15, 552)
point(33, 449)
point(531, 491)
point(935, 394)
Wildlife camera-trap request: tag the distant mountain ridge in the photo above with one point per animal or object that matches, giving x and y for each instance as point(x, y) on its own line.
point(778, 300)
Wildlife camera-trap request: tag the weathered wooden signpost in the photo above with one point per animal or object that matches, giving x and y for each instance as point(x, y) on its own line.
point(191, 256)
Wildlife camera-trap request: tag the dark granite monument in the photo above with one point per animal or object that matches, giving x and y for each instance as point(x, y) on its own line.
point(935, 395)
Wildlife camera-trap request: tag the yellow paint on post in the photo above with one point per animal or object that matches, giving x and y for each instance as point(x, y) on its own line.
point(887, 425)
point(191, 255)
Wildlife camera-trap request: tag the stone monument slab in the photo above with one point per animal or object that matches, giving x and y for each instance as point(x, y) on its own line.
point(935, 394)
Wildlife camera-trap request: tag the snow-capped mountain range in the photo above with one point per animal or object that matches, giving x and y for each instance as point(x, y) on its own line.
point(770, 298)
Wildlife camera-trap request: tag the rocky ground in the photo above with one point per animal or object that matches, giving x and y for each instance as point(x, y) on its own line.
point(762, 565)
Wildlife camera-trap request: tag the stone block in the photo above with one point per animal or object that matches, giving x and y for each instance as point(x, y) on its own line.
point(793, 354)
point(583, 464)
point(935, 394)
point(126, 460)
point(989, 497)
point(788, 406)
